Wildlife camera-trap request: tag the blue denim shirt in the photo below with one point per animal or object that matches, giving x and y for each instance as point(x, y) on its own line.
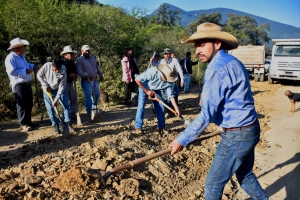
point(226, 97)
point(151, 80)
point(16, 69)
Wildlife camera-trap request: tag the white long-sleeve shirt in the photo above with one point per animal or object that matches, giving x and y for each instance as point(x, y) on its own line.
point(16, 69)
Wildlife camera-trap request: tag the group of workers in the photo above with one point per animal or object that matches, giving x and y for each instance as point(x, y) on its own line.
point(57, 79)
point(227, 99)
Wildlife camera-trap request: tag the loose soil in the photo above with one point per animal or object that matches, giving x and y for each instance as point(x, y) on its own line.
point(41, 165)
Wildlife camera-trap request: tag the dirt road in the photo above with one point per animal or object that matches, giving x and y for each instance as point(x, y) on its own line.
point(279, 163)
point(40, 165)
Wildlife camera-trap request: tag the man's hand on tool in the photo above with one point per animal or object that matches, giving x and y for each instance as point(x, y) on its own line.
point(54, 104)
point(90, 77)
point(177, 112)
point(181, 84)
point(176, 147)
point(150, 93)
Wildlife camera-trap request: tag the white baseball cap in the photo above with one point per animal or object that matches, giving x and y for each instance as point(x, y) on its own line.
point(85, 47)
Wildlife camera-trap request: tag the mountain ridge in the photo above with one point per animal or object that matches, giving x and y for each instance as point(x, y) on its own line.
point(276, 28)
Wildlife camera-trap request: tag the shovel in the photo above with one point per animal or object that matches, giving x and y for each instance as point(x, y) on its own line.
point(38, 96)
point(62, 125)
point(151, 57)
point(186, 121)
point(96, 114)
point(131, 164)
point(77, 108)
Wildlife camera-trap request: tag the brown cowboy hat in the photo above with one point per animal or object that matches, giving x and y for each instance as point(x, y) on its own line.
point(212, 31)
point(169, 73)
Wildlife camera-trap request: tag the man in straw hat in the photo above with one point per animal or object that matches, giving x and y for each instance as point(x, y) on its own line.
point(151, 82)
point(88, 69)
point(68, 62)
point(227, 101)
point(19, 73)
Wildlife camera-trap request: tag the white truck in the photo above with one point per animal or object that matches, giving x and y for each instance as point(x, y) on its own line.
point(253, 57)
point(285, 60)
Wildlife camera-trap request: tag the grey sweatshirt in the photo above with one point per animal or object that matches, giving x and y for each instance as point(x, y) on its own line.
point(49, 78)
point(87, 66)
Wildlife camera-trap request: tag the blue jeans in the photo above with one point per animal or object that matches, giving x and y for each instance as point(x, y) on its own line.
point(89, 101)
point(65, 105)
point(70, 94)
point(186, 80)
point(235, 154)
point(159, 109)
point(175, 93)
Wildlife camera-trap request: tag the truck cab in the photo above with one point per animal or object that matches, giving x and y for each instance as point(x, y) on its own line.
point(285, 60)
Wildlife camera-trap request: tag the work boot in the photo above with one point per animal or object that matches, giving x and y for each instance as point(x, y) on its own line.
point(26, 128)
point(138, 131)
point(56, 129)
point(163, 131)
point(71, 129)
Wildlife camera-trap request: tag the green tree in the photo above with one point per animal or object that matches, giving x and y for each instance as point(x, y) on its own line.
point(246, 30)
point(214, 17)
point(166, 16)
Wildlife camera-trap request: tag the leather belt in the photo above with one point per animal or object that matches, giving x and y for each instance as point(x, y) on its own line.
point(240, 128)
point(24, 83)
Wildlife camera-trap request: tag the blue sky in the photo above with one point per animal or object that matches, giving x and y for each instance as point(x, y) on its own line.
point(284, 11)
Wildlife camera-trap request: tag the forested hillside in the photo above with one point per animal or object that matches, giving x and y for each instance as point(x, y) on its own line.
point(277, 30)
point(49, 25)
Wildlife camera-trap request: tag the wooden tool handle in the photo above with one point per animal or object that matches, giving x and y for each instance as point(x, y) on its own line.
point(132, 164)
point(160, 101)
point(138, 161)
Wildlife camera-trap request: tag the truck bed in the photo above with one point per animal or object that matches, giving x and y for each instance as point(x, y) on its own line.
point(250, 55)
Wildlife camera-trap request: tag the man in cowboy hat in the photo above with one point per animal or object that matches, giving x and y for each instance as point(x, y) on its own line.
point(227, 101)
point(19, 73)
point(68, 62)
point(150, 83)
point(87, 69)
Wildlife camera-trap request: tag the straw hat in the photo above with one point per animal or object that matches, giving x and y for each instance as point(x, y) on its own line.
point(67, 49)
point(212, 31)
point(17, 42)
point(169, 73)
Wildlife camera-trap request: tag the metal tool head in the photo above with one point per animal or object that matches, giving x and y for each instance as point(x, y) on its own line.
point(64, 129)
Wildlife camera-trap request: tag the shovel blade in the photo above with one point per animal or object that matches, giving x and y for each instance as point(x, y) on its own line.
point(64, 129)
point(78, 119)
point(187, 122)
point(96, 115)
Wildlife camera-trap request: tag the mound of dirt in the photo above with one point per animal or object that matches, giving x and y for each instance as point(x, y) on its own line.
point(40, 165)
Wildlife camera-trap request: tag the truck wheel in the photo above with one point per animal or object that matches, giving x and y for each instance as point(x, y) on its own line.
point(270, 80)
point(262, 78)
point(256, 77)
